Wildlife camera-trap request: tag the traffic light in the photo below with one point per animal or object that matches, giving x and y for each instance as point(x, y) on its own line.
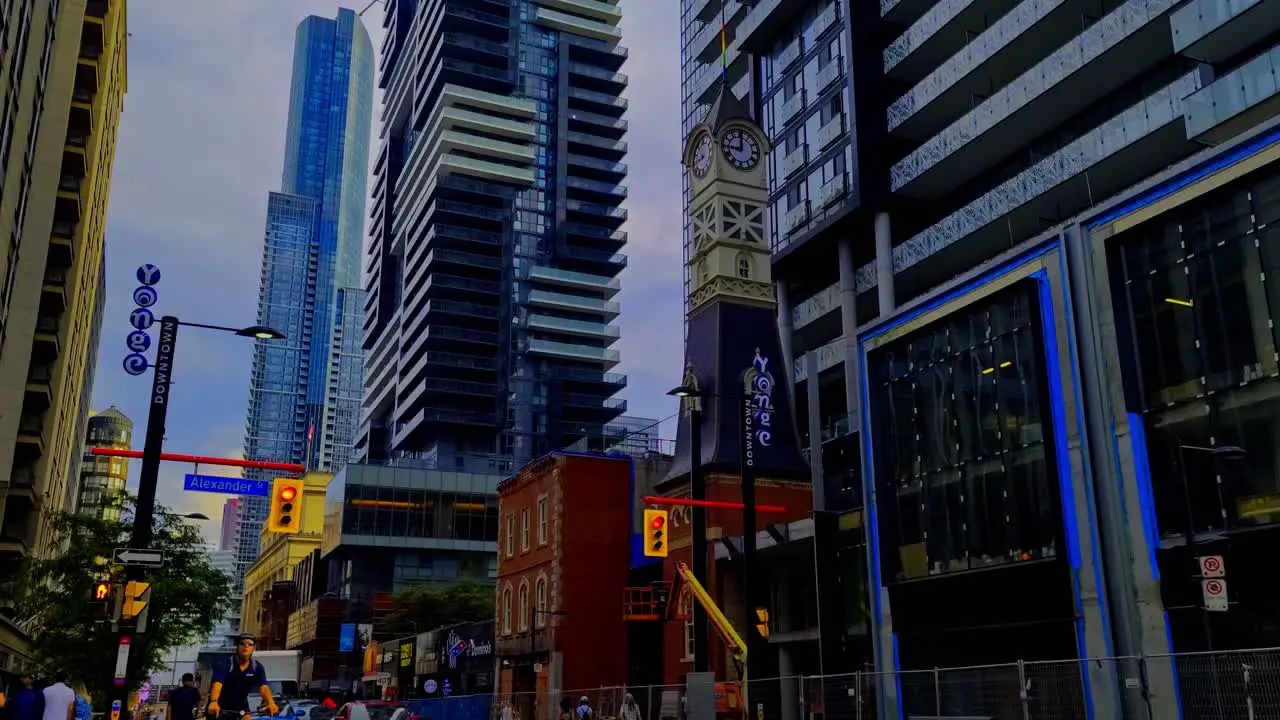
point(286, 506)
point(101, 600)
point(655, 533)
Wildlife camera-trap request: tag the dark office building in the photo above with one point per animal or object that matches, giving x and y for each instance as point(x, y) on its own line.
point(1029, 315)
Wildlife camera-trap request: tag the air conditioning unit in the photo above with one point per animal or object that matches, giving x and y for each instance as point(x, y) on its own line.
point(794, 161)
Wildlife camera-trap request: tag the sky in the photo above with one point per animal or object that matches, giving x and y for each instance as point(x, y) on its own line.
point(202, 143)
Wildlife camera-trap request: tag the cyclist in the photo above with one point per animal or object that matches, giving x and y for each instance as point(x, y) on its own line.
point(233, 682)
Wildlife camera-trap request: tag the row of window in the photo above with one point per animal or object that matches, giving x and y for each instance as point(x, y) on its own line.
point(544, 534)
point(520, 620)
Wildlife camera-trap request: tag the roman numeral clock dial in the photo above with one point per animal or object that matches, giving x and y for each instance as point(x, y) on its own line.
point(741, 149)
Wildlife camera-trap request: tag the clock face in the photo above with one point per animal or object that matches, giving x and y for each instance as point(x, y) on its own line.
point(741, 149)
point(702, 157)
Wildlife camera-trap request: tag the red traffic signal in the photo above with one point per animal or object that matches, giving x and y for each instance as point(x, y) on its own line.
point(657, 522)
point(288, 494)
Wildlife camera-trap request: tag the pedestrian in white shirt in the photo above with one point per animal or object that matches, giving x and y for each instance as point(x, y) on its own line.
point(59, 702)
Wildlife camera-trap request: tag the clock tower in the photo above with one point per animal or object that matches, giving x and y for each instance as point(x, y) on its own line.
point(725, 159)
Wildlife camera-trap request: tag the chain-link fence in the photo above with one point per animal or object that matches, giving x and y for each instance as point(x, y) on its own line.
point(1228, 685)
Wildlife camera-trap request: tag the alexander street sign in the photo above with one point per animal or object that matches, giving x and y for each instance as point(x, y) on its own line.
point(227, 485)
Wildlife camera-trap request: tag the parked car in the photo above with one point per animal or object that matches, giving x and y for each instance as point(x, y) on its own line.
point(368, 710)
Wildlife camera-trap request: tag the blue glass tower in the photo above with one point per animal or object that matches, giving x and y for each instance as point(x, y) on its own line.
point(302, 388)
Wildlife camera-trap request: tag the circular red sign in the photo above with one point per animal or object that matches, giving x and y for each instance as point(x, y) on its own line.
point(1212, 564)
point(1213, 587)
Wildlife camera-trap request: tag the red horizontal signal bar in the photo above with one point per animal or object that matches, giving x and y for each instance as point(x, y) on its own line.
point(202, 460)
point(654, 500)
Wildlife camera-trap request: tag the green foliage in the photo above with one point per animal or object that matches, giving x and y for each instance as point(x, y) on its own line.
point(188, 596)
point(429, 606)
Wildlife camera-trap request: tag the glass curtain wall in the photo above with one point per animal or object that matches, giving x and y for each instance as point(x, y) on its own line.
point(966, 476)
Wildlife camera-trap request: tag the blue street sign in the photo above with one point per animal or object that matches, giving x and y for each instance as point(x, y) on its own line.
point(347, 637)
point(135, 363)
point(137, 341)
point(148, 274)
point(228, 485)
point(145, 296)
point(142, 318)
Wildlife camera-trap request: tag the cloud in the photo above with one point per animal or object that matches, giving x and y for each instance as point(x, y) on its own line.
point(202, 143)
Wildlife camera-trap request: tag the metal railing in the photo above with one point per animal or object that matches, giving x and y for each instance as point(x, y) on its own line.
point(1225, 685)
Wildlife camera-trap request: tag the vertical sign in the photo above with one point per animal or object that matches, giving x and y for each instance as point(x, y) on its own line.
point(122, 660)
point(141, 318)
point(347, 637)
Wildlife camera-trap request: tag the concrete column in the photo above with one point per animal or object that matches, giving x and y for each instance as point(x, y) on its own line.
point(1259, 313)
point(884, 265)
point(849, 328)
point(785, 332)
point(789, 692)
point(816, 472)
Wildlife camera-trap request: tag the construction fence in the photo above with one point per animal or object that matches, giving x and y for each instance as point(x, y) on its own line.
point(1238, 685)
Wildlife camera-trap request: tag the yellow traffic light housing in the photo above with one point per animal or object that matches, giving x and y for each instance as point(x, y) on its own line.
point(655, 533)
point(286, 507)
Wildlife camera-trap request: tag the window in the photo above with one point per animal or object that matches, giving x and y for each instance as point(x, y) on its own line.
point(540, 602)
point(511, 536)
point(524, 530)
point(524, 606)
point(543, 522)
point(506, 610)
point(744, 268)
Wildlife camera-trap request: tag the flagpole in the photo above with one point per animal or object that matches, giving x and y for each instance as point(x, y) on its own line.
point(724, 44)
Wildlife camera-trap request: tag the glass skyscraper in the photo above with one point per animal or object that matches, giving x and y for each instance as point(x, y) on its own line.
point(304, 389)
point(494, 249)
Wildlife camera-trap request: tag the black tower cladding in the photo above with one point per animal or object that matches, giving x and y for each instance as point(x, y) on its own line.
point(732, 347)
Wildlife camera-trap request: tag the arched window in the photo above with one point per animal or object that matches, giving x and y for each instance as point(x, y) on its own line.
point(524, 606)
point(744, 267)
point(506, 610)
point(540, 602)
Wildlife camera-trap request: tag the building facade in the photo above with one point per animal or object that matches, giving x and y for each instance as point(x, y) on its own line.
point(495, 243)
point(275, 564)
point(564, 547)
point(999, 322)
point(103, 478)
point(302, 388)
point(64, 80)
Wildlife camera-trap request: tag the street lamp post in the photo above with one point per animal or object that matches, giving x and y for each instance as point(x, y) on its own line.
point(698, 526)
point(148, 476)
point(1224, 452)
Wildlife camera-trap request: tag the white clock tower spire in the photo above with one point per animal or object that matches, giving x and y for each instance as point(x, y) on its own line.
point(725, 158)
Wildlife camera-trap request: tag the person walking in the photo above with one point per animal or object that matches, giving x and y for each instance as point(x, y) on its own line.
point(629, 710)
point(28, 702)
point(84, 702)
point(183, 700)
point(584, 711)
point(59, 702)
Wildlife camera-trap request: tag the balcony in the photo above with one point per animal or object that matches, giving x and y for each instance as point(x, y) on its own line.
point(577, 303)
point(92, 38)
point(53, 292)
point(455, 360)
point(599, 260)
point(601, 234)
point(586, 142)
point(597, 102)
point(606, 169)
point(794, 161)
point(467, 310)
point(443, 416)
point(576, 328)
point(605, 53)
point(1213, 31)
point(578, 375)
point(67, 207)
point(450, 386)
point(597, 78)
point(583, 353)
point(1146, 137)
point(573, 24)
point(1108, 54)
point(787, 111)
point(938, 34)
point(38, 395)
point(30, 435)
point(439, 258)
point(606, 215)
point(796, 218)
point(1235, 102)
point(464, 210)
point(607, 191)
point(46, 345)
point(596, 123)
point(609, 286)
point(440, 284)
point(832, 191)
point(96, 9)
point(767, 20)
point(86, 78)
point(454, 235)
point(829, 133)
point(592, 405)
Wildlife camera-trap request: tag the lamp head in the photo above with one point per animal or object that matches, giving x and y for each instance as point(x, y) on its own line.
point(684, 391)
point(261, 332)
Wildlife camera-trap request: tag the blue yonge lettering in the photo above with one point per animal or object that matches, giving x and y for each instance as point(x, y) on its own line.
point(757, 407)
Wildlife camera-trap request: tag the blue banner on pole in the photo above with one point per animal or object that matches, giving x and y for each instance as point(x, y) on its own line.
point(347, 637)
point(228, 485)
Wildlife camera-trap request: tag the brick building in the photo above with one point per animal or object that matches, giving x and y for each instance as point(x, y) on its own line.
point(564, 555)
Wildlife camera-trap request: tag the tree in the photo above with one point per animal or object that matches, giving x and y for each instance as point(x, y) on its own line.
point(188, 596)
point(429, 606)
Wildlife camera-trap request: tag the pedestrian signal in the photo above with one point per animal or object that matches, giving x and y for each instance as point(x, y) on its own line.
point(655, 533)
point(100, 605)
point(286, 506)
point(102, 591)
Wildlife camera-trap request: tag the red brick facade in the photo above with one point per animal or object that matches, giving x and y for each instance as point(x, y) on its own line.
point(564, 547)
point(796, 497)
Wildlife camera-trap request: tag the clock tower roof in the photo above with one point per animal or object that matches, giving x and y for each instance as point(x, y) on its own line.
point(726, 108)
